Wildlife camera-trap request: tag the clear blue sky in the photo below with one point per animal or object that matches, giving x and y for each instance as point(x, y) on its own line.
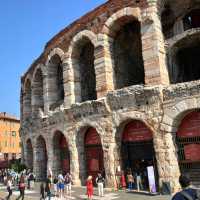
point(25, 27)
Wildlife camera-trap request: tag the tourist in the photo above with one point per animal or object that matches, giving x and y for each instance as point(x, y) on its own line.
point(68, 183)
point(130, 181)
point(188, 192)
point(42, 192)
point(21, 187)
point(123, 181)
point(55, 185)
point(100, 184)
point(9, 187)
point(48, 187)
point(139, 181)
point(89, 186)
point(61, 186)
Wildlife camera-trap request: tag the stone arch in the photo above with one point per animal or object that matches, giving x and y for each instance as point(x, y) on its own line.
point(177, 18)
point(27, 99)
point(29, 154)
point(37, 91)
point(171, 123)
point(61, 154)
point(126, 57)
point(82, 58)
point(83, 153)
point(137, 149)
point(41, 158)
point(55, 51)
point(173, 116)
point(183, 56)
point(55, 81)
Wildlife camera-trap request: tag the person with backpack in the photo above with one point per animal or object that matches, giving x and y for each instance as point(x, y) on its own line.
point(188, 192)
point(100, 184)
point(48, 187)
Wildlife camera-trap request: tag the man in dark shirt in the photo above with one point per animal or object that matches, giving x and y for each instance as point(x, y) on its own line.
point(48, 187)
point(188, 192)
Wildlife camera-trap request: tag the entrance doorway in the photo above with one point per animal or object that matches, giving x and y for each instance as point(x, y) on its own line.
point(138, 154)
point(188, 142)
point(94, 154)
point(61, 152)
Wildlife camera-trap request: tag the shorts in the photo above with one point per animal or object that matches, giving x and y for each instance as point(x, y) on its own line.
point(61, 186)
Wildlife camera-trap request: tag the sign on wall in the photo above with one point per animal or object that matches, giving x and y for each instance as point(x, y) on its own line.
point(151, 178)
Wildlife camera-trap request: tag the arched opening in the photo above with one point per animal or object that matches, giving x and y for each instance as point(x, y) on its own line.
point(188, 142)
point(27, 100)
point(56, 85)
point(127, 54)
point(61, 160)
point(93, 154)
point(84, 71)
point(184, 61)
point(192, 19)
point(29, 154)
point(41, 159)
point(167, 20)
point(38, 92)
point(138, 155)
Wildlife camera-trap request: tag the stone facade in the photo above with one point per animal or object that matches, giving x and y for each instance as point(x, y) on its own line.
point(81, 81)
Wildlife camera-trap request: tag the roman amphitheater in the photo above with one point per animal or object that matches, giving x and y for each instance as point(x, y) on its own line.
point(117, 89)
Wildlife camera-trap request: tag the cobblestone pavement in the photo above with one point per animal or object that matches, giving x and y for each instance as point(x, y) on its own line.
point(79, 194)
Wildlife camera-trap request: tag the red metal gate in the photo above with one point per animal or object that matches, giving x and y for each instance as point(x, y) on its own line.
point(137, 150)
point(93, 153)
point(65, 155)
point(188, 142)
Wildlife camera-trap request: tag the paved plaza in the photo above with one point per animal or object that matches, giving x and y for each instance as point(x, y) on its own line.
point(79, 193)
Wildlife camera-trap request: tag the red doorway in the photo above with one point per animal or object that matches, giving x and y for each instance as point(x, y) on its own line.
point(93, 153)
point(188, 142)
point(137, 152)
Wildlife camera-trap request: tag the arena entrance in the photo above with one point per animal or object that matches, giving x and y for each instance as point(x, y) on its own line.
point(93, 153)
point(29, 155)
point(138, 154)
point(188, 142)
point(41, 158)
point(61, 153)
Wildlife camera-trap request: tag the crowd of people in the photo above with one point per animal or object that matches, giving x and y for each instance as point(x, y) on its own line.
point(60, 186)
point(12, 179)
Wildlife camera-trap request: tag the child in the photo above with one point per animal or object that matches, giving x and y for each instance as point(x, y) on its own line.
point(42, 192)
point(89, 186)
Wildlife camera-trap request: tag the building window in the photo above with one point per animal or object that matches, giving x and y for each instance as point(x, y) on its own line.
point(6, 143)
point(14, 133)
point(6, 156)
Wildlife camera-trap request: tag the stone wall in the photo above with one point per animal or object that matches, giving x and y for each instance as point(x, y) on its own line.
point(159, 105)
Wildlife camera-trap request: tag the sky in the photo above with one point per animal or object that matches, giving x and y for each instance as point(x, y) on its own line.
point(25, 27)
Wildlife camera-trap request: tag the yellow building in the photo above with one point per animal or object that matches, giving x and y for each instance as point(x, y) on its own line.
point(9, 137)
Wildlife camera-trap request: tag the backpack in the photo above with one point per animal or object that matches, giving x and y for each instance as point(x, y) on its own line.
point(187, 196)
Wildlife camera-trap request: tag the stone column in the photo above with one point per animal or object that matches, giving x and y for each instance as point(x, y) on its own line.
point(153, 47)
point(109, 164)
point(50, 156)
point(74, 165)
point(68, 81)
point(167, 164)
point(45, 92)
point(103, 67)
point(51, 85)
point(35, 162)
